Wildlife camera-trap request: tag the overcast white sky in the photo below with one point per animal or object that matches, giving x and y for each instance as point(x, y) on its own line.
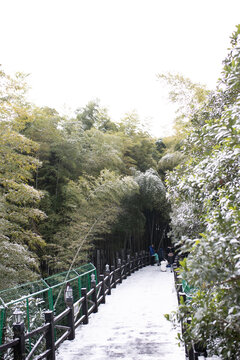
point(79, 50)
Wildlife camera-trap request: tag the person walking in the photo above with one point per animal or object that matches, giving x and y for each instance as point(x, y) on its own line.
point(161, 254)
point(152, 254)
point(156, 258)
point(170, 257)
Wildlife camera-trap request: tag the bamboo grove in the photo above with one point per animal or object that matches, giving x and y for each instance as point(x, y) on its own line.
point(72, 182)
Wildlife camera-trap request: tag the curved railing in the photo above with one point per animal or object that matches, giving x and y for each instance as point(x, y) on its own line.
point(57, 328)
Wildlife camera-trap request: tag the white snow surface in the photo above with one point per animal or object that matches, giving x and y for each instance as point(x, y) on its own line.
point(131, 325)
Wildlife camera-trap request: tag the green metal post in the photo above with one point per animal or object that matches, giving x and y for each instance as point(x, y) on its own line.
point(89, 281)
point(2, 318)
point(79, 287)
point(50, 299)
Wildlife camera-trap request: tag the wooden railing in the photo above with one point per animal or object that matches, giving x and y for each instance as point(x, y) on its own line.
point(75, 314)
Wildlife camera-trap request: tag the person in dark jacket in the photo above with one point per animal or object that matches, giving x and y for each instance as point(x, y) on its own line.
point(170, 257)
point(152, 254)
point(161, 254)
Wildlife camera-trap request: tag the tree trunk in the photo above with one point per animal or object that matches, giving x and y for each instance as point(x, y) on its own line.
point(152, 228)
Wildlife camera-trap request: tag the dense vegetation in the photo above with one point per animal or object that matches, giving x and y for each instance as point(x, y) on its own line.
point(205, 191)
point(69, 185)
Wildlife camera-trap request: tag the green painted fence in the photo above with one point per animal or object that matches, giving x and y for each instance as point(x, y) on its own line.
point(34, 298)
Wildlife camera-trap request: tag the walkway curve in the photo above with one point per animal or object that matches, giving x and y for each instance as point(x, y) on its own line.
point(131, 325)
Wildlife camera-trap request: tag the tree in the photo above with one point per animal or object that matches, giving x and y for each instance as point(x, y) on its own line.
point(17, 264)
point(153, 199)
point(205, 193)
point(93, 115)
point(169, 161)
point(101, 151)
point(19, 200)
point(188, 96)
point(140, 149)
point(93, 205)
point(185, 93)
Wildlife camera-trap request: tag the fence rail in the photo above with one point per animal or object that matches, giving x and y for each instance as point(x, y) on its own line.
point(75, 314)
point(193, 351)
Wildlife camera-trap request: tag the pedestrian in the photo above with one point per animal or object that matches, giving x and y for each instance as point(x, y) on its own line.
point(161, 254)
point(152, 254)
point(170, 256)
point(156, 259)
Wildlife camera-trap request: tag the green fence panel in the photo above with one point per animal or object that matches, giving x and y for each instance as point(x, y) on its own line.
point(34, 298)
point(21, 291)
point(187, 289)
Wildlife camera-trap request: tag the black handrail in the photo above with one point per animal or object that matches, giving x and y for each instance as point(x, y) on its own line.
point(87, 304)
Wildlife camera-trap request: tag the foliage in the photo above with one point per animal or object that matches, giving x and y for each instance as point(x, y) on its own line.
point(69, 184)
point(188, 97)
point(153, 202)
point(94, 116)
point(101, 151)
point(93, 205)
point(206, 216)
point(169, 161)
point(141, 212)
point(140, 150)
point(19, 209)
point(185, 93)
point(17, 264)
point(151, 188)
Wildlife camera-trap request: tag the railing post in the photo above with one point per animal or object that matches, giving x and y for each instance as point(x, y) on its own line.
point(191, 354)
point(19, 349)
point(175, 272)
point(102, 293)
point(124, 269)
point(68, 298)
point(107, 273)
point(198, 351)
point(84, 306)
point(141, 260)
point(50, 341)
point(94, 294)
point(70, 323)
point(120, 270)
point(114, 276)
point(133, 263)
point(129, 264)
point(145, 259)
point(137, 262)
point(183, 295)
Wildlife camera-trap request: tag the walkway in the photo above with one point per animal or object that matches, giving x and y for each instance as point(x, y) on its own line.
point(131, 324)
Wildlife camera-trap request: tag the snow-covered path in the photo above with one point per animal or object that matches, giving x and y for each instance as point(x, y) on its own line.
point(131, 324)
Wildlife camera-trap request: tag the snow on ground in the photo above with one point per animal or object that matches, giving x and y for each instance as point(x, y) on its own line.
point(131, 325)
